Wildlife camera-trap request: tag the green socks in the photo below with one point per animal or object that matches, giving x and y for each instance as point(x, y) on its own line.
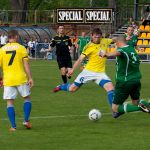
point(130, 107)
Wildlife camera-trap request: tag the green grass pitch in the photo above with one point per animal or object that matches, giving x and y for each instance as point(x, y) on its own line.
point(60, 120)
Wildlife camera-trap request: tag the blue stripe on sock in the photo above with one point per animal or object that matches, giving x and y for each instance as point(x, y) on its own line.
point(65, 87)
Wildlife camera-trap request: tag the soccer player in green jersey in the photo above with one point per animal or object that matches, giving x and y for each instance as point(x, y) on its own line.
point(82, 41)
point(131, 38)
point(128, 78)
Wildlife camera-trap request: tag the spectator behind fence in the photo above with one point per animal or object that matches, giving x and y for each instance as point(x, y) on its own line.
point(31, 45)
point(45, 49)
point(74, 41)
point(25, 43)
point(131, 38)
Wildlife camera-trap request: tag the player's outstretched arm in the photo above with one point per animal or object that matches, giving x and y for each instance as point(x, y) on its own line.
point(76, 64)
point(104, 54)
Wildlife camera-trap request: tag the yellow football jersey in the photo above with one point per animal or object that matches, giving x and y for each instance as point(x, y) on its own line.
point(95, 62)
point(11, 62)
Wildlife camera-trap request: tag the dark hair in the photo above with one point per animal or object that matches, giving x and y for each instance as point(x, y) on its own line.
point(60, 25)
point(12, 34)
point(97, 31)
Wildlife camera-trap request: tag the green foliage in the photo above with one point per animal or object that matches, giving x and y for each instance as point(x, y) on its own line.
point(53, 4)
point(4, 4)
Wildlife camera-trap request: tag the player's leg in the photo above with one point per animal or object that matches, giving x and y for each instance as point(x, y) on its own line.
point(67, 87)
point(68, 66)
point(140, 105)
point(11, 114)
point(125, 107)
point(69, 77)
point(119, 107)
point(108, 86)
point(122, 91)
point(105, 82)
point(135, 95)
point(61, 65)
point(72, 87)
point(61, 87)
point(63, 74)
point(10, 94)
point(24, 91)
point(27, 110)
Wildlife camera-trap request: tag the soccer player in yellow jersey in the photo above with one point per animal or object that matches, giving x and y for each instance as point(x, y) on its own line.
point(95, 68)
point(17, 77)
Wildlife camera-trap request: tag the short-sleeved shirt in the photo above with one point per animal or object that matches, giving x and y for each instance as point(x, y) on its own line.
point(91, 51)
point(127, 75)
point(11, 61)
point(62, 44)
point(133, 41)
point(127, 65)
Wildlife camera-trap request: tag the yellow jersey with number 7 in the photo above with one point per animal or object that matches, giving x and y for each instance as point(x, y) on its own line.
point(11, 62)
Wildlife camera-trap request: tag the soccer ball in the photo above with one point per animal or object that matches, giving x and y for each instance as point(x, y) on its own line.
point(95, 114)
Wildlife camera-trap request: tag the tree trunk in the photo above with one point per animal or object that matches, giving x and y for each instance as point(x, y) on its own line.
point(19, 8)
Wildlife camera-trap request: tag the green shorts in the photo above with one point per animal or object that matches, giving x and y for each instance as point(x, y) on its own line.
point(125, 89)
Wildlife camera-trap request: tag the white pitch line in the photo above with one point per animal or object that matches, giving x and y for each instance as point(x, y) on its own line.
point(51, 117)
point(63, 116)
point(48, 117)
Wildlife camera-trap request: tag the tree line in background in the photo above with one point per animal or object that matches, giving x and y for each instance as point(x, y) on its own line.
point(20, 6)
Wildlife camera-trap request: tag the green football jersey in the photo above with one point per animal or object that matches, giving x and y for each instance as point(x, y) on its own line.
point(127, 65)
point(82, 42)
point(133, 41)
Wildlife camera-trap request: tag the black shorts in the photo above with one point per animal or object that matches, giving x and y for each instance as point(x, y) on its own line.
point(125, 89)
point(64, 62)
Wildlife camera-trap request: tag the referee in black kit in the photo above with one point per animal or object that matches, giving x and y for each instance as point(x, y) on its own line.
point(63, 47)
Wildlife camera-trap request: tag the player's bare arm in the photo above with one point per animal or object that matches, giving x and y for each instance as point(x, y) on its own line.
point(76, 64)
point(104, 54)
point(28, 71)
